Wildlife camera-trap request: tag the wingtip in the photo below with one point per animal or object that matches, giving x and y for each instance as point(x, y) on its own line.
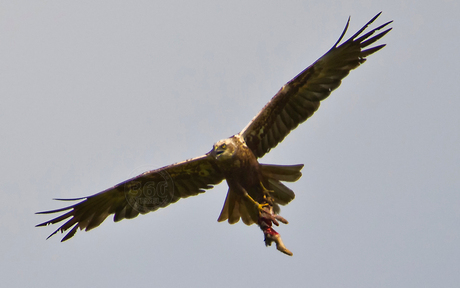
point(42, 224)
point(70, 199)
point(53, 233)
point(343, 33)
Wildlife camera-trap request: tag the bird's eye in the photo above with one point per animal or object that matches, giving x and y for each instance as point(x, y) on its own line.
point(223, 146)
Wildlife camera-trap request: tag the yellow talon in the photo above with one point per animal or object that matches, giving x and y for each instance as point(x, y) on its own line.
point(262, 207)
point(265, 189)
point(267, 196)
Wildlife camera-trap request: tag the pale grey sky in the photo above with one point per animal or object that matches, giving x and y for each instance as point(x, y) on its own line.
point(95, 93)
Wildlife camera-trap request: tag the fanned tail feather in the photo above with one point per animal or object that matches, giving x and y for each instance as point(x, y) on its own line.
point(236, 207)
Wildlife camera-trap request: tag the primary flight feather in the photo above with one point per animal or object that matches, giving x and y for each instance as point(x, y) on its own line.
point(255, 190)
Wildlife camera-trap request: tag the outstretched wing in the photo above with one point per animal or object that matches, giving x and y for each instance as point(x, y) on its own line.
point(300, 97)
point(142, 194)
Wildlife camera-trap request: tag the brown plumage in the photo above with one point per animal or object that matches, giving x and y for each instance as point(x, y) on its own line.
point(296, 101)
point(251, 185)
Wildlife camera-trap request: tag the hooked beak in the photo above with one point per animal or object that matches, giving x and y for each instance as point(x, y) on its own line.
point(215, 152)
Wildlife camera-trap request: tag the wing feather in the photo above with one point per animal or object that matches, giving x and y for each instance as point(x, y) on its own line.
point(139, 195)
point(300, 97)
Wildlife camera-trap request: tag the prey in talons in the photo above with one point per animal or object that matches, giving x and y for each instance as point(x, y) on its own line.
point(266, 219)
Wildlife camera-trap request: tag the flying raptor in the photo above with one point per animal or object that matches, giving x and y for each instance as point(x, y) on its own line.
point(255, 190)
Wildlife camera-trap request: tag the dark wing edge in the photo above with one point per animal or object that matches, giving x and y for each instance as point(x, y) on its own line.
point(300, 98)
point(139, 195)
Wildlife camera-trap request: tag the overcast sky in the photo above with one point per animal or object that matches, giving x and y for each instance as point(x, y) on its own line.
point(95, 93)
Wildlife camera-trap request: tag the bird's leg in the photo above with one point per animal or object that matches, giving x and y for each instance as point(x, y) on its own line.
point(267, 205)
point(267, 196)
point(266, 208)
point(267, 218)
point(260, 207)
point(269, 202)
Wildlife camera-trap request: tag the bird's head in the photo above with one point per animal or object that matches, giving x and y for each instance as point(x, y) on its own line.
point(224, 149)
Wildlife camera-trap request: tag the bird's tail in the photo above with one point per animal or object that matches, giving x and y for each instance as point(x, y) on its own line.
point(236, 207)
point(277, 173)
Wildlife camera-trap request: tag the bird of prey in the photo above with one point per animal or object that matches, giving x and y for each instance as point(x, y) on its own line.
point(255, 190)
